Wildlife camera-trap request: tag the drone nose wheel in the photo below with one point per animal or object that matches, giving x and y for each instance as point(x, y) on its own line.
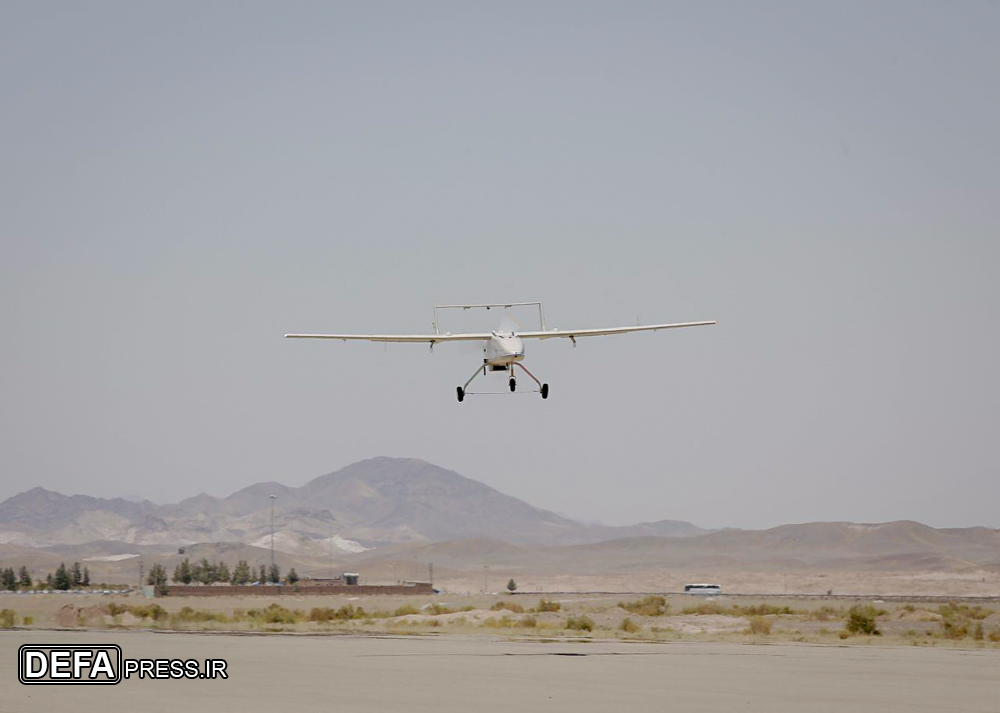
point(545, 391)
point(461, 394)
point(513, 383)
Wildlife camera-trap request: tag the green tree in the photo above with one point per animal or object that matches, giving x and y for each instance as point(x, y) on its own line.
point(511, 586)
point(241, 573)
point(24, 577)
point(157, 577)
point(49, 581)
point(263, 574)
point(61, 580)
point(86, 577)
point(183, 575)
point(293, 576)
point(76, 574)
point(222, 571)
point(8, 580)
point(274, 574)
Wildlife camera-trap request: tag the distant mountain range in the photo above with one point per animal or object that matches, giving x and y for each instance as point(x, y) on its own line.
point(367, 504)
point(384, 515)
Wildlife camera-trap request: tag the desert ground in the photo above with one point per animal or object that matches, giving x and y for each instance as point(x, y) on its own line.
point(489, 673)
point(840, 620)
point(974, 582)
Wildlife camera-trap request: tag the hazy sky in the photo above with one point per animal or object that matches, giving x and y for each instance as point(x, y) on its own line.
point(183, 183)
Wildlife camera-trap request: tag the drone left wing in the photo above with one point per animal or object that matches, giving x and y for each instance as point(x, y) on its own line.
point(574, 333)
point(425, 338)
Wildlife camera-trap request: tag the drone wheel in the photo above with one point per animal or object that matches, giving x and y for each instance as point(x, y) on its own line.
point(545, 391)
point(513, 383)
point(461, 394)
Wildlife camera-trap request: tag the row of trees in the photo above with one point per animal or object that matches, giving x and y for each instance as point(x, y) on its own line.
point(12, 582)
point(206, 572)
point(72, 577)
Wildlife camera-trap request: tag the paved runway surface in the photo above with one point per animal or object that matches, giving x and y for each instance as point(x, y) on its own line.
point(443, 674)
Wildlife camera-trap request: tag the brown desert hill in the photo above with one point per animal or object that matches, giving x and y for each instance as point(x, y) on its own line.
point(42, 562)
point(826, 540)
point(242, 502)
point(385, 500)
point(661, 528)
point(452, 553)
point(815, 547)
point(376, 501)
point(902, 546)
point(411, 510)
point(103, 548)
point(823, 541)
point(397, 494)
point(17, 556)
point(808, 543)
point(39, 509)
point(200, 504)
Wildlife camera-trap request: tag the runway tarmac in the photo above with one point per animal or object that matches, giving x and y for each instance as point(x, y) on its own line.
point(443, 674)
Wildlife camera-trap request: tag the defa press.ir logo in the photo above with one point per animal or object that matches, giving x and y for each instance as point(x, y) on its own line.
point(105, 665)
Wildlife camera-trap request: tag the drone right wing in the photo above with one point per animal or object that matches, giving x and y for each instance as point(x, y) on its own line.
point(574, 333)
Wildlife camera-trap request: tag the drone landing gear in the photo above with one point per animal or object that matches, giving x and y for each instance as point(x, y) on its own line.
point(461, 389)
point(543, 389)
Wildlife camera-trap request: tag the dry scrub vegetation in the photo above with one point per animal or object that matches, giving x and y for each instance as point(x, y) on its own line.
point(647, 618)
point(647, 606)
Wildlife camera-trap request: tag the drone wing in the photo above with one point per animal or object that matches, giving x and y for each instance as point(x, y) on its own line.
point(426, 338)
point(574, 333)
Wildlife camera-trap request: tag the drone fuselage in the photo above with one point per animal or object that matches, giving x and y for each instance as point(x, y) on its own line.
point(503, 349)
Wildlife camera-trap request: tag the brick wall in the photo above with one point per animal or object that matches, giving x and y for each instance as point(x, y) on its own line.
point(228, 590)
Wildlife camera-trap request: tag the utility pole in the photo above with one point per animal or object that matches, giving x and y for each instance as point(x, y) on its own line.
point(273, 498)
point(430, 573)
point(486, 578)
point(140, 574)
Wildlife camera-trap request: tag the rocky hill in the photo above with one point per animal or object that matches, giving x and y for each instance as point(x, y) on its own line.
point(389, 514)
point(367, 504)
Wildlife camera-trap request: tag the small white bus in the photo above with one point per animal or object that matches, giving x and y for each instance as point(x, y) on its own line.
point(702, 589)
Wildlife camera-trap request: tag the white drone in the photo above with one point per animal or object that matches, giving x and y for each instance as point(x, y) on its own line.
point(503, 349)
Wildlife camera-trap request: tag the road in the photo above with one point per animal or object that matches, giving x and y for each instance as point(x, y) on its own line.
point(441, 674)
